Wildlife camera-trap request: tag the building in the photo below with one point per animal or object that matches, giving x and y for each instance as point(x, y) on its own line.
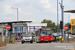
point(23, 27)
point(72, 21)
point(73, 26)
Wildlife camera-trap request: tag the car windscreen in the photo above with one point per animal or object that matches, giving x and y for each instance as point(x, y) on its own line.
point(46, 33)
point(27, 35)
point(54, 34)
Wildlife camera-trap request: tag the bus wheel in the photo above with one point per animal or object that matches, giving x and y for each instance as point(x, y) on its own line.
point(49, 41)
point(46, 41)
point(40, 42)
point(37, 41)
point(22, 42)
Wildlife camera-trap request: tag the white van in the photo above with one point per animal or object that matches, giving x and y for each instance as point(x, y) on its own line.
point(27, 38)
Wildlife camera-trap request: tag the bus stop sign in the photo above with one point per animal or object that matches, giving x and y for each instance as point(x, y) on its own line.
point(65, 27)
point(8, 27)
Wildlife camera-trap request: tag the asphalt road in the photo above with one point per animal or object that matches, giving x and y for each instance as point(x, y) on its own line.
point(40, 46)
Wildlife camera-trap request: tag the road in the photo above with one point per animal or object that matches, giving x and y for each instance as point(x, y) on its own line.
point(40, 46)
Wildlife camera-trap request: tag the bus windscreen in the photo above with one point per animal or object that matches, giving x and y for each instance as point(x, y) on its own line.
point(45, 33)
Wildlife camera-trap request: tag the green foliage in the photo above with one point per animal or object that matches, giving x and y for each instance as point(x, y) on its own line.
point(56, 38)
point(10, 39)
point(59, 27)
point(33, 39)
point(50, 24)
point(66, 24)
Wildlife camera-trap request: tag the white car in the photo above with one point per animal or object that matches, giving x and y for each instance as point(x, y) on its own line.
point(55, 34)
point(27, 38)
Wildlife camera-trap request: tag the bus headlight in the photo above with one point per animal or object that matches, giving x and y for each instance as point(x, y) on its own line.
point(51, 39)
point(41, 39)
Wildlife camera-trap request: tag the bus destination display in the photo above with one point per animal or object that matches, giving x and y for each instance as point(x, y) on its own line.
point(46, 29)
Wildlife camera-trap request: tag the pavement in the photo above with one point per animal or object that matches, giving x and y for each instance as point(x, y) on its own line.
point(40, 46)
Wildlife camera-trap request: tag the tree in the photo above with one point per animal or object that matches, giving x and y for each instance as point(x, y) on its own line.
point(59, 27)
point(50, 24)
point(67, 24)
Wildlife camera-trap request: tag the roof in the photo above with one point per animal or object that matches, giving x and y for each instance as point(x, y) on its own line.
point(71, 11)
point(15, 22)
point(45, 28)
point(36, 24)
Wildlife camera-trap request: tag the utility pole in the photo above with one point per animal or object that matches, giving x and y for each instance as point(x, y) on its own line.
point(68, 27)
point(2, 33)
point(17, 21)
point(2, 28)
point(57, 19)
point(62, 30)
point(17, 18)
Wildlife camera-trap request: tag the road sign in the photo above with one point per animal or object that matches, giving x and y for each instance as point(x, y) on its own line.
point(8, 27)
point(65, 27)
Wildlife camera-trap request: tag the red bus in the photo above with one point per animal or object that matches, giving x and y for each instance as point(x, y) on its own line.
point(44, 35)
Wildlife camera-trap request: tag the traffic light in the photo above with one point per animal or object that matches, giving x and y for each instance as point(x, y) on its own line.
point(69, 26)
point(11, 26)
point(61, 24)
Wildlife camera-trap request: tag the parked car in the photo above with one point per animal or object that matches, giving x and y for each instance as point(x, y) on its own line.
point(27, 38)
point(70, 36)
point(73, 36)
point(55, 35)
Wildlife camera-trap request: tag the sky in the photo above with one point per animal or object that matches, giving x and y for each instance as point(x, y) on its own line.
point(34, 10)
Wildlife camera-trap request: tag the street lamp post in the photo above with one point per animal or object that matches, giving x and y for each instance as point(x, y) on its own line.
point(2, 33)
point(2, 28)
point(68, 27)
point(62, 18)
point(57, 19)
point(62, 30)
point(17, 19)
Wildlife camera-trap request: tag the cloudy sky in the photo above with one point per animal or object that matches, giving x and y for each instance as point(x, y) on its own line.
point(35, 10)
